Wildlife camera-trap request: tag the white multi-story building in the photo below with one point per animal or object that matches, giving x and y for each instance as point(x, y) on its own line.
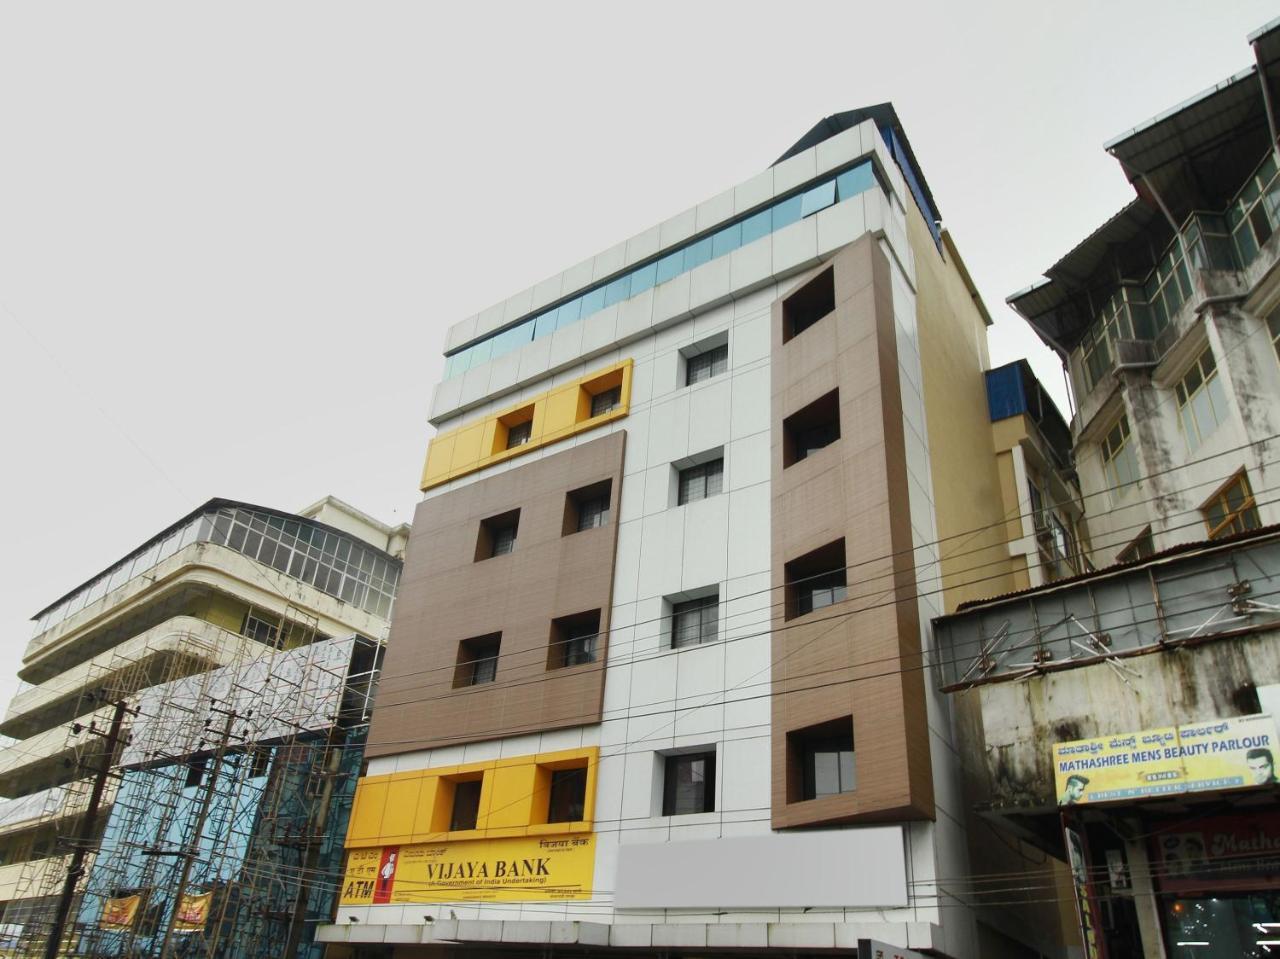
point(656, 681)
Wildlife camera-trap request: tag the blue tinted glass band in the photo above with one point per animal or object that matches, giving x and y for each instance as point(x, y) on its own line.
point(816, 197)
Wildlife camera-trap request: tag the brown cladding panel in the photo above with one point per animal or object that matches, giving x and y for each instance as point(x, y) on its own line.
point(446, 596)
point(859, 658)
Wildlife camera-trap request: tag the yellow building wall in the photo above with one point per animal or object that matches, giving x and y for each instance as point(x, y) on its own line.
point(556, 414)
point(966, 483)
point(222, 611)
point(415, 807)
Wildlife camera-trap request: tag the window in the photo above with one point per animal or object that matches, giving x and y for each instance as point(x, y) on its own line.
point(477, 661)
point(519, 434)
point(1142, 547)
point(568, 795)
point(497, 535)
point(574, 640)
point(1202, 404)
point(816, 580)
point(811, 428)
point(260, 628)
point(695, 621)
point(607, 401)
point(466, 804)
point(1232, 509)
point(1273, 324)
point(587, 508)
point(1119, 463)
point(807, 305)
point(700, 481)
point(195, 772)
point(1064, 544)
point(261, 761)
point(706, 364)
point(689, 784)
point(821, 760)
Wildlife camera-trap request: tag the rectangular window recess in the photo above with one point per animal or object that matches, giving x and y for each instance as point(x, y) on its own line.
point(809, 304)
point(706, 359)
point(700, 479)
point(568, 795)
point(477, 661)
point(587, 508)
point(820, 760)
point(695, 620)
point(816, 580)
point(466, 804)
point(689, 783)
point(606, 402)
point(513, 429)
point(574, 640)
point(811, 428)
point(497, 535)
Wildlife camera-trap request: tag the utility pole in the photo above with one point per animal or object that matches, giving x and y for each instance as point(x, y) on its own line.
point(76, 868)
point(193, 847)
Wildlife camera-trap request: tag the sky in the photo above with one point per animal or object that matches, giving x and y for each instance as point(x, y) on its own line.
point(232, 236)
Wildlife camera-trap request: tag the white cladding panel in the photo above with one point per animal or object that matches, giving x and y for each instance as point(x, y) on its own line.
point(859, 868)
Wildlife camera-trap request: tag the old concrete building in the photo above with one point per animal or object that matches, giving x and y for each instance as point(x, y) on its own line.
point(655, 680)
point(1168, 317)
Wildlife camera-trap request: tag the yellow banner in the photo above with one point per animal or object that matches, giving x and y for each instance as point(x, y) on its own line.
point(193, 912)
point(1218, 754)
point(535, 869)
point(120, 913)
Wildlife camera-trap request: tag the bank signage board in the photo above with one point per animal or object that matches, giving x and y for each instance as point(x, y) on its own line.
point(1217, 754)
point(519, 869)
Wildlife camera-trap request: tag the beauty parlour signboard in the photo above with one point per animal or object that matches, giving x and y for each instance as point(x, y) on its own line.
point(1218, 754)
point(520, 869)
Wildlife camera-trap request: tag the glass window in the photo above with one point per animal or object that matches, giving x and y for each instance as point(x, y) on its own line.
point(545, 324)
point(699, 482)
point(504, 540)
point(568, 795)
point(697, 254)
point(786, 212)
point(579, 645)
point(519, 434)
point(726, 241)
point(707, 364)
point(607, 401)
point(670, 266)
point(695, 621)
point(592, 302)
point(466, 804)
point(827, 764)
point(1119, 461)
point(618, 290)
point(1232, 509)
point(818, 198)
point(593, 513)
point(1202, 403)
point(852, 182)
point(1142, 547)
point(820, 591)
point(1273, 324)
point(756, 226)
point(261, 629)
point(689, 784)
point(643, 279)
point(478, 660)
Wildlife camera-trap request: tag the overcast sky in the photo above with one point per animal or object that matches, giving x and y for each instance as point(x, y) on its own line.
point(232, 235)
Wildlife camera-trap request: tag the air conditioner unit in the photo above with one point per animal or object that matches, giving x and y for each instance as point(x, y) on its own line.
point(1043, 520)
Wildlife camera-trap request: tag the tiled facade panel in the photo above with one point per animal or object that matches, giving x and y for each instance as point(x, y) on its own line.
point(447, 595)
point(859, 658)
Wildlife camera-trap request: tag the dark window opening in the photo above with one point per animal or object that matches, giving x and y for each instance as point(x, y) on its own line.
point(261, 761)
point(606, 402)
point(574, 640)
point(701, 481)
point(587, 508)
point(695, 621)
point(466, 804)
point(195, 772)
point(811, 428)
point(820, 760)
point(816, 580)
point(519, 434)
point(689, 784)
point(708, 364)
point(477, 661)
point(568, 795)
point(807, 305)
point(497, 535)
point(1142, 547)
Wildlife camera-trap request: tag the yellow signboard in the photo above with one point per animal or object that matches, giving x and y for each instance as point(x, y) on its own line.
point(193, 912)
point(120, 913)
point(1219, 754)
point(521, 869)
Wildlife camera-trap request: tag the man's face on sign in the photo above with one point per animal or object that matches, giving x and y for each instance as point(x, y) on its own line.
point(1262, 769)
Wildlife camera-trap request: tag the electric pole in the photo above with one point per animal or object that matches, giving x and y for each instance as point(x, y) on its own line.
point(75, 870)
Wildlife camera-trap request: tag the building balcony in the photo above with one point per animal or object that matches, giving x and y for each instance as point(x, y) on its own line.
point(39, 759)
point(177, 647)
point(32, 879)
